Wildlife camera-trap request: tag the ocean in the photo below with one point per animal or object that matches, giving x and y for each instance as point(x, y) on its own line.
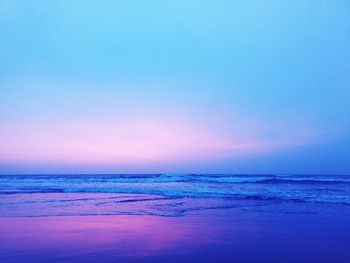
point(175, 218)
point(170, 194)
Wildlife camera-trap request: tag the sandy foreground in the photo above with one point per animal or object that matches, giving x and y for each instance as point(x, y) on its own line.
point(218, 236)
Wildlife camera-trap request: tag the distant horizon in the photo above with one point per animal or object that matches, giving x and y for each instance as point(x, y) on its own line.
point(175, 131)
point(243, 174)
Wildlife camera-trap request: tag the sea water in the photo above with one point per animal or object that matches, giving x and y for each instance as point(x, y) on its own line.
point(172, 194)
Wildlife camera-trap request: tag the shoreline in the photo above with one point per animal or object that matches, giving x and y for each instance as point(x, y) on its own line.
point(224, 236)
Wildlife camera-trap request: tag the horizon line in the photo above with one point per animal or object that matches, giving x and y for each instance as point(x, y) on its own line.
point(170, 173)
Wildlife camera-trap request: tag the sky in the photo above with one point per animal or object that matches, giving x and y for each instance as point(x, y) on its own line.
point(221, 86)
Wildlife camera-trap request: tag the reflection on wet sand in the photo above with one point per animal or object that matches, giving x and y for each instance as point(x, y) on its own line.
point(219, 237)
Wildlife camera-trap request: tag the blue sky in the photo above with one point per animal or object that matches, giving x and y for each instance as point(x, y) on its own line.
point(175, 86)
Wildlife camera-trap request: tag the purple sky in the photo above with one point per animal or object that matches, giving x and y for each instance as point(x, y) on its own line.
point(205, 87)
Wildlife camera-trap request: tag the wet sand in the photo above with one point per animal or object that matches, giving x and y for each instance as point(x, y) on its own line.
point(218, 236)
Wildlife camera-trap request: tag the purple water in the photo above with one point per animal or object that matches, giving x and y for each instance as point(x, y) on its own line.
point(174, 218)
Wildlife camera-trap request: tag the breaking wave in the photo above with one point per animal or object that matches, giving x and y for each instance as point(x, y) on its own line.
point(292, 188)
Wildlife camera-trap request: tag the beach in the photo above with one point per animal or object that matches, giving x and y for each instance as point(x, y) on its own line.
point(175, 131)
point(174, 218)
point(223, 236)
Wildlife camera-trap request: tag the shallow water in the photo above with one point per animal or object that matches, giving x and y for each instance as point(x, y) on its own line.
point(171, 195)
point(175, 218)
point(233, 236)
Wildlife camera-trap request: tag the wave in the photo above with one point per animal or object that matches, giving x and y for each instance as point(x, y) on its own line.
point(329, 189)
point(201, 194)
point(153, 178)
point(300, 181)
